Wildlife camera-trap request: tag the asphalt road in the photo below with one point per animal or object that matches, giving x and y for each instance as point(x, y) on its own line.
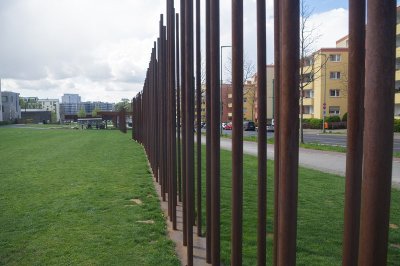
point(329, 139)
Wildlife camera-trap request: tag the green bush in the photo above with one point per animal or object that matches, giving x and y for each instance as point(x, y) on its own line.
point(344, 119)
point(312, 123)
point(333, 118)
point(3, 123)
point(396, 125)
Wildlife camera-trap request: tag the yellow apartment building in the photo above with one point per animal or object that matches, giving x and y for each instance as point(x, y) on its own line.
point(324, 82)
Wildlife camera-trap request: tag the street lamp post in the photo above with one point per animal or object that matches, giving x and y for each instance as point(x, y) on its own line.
point(221, 81)
point(324, 104)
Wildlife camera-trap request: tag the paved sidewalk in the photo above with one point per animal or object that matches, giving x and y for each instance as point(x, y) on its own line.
point(325, 161)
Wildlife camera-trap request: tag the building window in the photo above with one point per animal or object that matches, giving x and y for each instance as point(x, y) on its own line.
point(334, 110)
point(229, 95)
point(308, 93)
point(334, 93)
point(229, 105)
point(334, 57)
point(308, 77)
point(4, 99)
point(335, 75)
point(308, 109)
point(229, 114)
point(308, 61)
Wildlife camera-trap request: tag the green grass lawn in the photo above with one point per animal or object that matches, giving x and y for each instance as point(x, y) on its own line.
point(65, 199)
point(320, 215)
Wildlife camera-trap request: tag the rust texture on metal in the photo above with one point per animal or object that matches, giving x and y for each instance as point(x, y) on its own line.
point(183, 104)
point(288, 133)
point(378, 133)
point(215, 130)
point(208, 135)
point(237, 132)
point(198, 116)
point(189, 125)
point(262, 133)
point(355, 126)
point(277, 59)
point(178, 112)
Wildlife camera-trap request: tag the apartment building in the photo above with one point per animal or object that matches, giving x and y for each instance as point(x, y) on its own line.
point(324, 82)
point(52, 105)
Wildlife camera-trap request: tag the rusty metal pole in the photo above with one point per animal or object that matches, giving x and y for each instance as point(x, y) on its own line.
point(189, 117)
point(215, 133)
point(355, 126)
point(183, 101)
point(189, 127)
point(178, 111)
point(289, 133)
point(198, 114)
point(277, 55)
point(208, 135)
point(171, 28)
point(237, 132)
point(378, 133)
point(262, 133)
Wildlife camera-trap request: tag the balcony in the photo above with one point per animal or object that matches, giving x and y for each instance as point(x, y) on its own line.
point(398, 75)
point(308, 101)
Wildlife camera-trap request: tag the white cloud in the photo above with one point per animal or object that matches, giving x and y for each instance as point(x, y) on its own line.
point(100, 48)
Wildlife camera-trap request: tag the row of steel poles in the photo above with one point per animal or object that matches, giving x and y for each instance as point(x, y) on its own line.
point(167, 102)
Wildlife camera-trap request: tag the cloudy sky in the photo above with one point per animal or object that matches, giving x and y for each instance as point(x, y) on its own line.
point(100, 48)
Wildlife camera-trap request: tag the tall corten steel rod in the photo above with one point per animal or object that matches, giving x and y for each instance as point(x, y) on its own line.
point(289, 133)
point(355, 126)
point(198, 115)
point(215, 133)
point(178, 111)
point(183, 101)
point(262, 128)
point(277, 66)
point(172, 113)
point(208, 135)
point(237, 131)
point(189, 117)
point(378, 133)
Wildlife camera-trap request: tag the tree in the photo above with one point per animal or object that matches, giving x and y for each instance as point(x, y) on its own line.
point(82, 113)
point(249, 91)
point(124, 104)
point(95, 111)
point(308, 70)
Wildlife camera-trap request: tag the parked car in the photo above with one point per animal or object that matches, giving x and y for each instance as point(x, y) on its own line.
point(249, 126)
point(228, 126)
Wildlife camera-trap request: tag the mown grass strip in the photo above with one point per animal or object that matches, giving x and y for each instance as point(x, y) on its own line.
point(68, 197)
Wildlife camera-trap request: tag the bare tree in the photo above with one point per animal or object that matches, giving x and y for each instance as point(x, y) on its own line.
point(308, 55)
point(249, 91)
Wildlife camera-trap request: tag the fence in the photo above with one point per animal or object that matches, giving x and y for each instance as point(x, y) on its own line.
point(168, 101)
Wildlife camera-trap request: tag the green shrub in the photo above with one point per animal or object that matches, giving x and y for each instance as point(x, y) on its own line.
point(344, 119)
point(312, 123)
point(333, 118)
point(3, 123)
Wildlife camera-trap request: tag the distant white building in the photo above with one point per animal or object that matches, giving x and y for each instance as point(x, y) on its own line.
point(52, 105)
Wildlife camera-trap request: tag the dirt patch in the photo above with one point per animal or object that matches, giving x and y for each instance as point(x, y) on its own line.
point(393, 226)
point(146, 222)
point(136, 201)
